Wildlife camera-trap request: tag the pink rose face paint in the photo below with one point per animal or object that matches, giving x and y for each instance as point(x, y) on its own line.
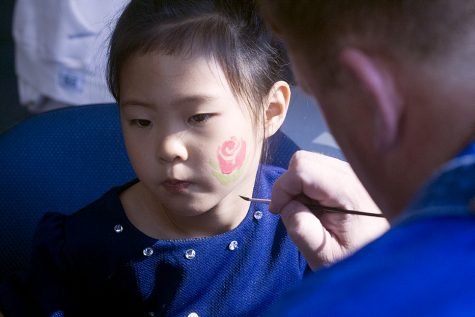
point(230, 158)
point(231, 155)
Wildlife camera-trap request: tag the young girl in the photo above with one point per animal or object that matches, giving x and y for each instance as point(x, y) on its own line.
point(199, 88)
point(199, 85)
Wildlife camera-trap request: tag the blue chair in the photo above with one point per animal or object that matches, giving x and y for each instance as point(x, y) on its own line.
point(60, 161)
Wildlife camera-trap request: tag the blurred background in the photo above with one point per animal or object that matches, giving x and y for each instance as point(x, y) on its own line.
point(10, 110)
point(304, 123)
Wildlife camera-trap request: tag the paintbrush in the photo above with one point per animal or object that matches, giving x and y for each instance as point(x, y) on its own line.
point(319, 208)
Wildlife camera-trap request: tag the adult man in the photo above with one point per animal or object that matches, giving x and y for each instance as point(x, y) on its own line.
point(395, 81)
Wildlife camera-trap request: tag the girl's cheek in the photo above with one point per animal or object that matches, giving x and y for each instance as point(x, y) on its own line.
point(230, 160)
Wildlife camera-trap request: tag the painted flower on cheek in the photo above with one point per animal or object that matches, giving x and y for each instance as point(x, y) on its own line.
point(231, 155)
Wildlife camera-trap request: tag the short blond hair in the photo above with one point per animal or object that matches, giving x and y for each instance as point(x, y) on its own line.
point(414, 29)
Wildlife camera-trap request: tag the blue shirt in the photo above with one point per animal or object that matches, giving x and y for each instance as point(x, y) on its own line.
point(423, 266)
point(96, 263)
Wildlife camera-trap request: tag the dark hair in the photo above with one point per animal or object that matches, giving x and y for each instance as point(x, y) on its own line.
point(420, 31)
point(230, 31)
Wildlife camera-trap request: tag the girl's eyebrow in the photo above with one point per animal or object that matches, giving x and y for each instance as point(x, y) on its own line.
point(135, 102)
point(191, 100)
point(188, 100)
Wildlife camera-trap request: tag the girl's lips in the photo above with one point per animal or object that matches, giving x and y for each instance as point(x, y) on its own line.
point(175, 186)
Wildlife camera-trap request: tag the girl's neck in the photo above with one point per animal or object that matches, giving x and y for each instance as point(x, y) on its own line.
point(151, 218)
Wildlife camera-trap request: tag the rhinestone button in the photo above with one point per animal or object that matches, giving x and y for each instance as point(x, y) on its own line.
point(193, 314)
point(233, 245)
point(257, 214)
point(118, 228)
point(148, 251)
point(190, 255)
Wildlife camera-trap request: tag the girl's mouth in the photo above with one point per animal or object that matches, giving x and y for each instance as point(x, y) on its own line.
point(175, 186)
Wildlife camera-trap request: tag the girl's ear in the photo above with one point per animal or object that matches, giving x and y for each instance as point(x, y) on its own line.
point(276, 108)
point(377, 79)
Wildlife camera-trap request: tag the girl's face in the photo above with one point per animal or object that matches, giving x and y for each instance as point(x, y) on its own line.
point(190, 141)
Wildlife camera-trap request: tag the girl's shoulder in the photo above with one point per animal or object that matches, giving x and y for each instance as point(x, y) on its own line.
point(265, 179)
point(88, 237)
point(89, 218)
point(272, 172)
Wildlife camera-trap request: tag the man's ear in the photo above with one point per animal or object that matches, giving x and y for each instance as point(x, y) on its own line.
point(277, 106)
point(377, 78)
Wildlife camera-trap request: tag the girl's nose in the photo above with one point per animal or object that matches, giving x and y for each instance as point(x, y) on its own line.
point(172, 148)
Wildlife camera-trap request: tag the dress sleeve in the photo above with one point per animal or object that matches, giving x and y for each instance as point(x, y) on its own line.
point(43, 289)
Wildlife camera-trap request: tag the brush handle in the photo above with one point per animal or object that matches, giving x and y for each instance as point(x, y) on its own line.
point(320, 208)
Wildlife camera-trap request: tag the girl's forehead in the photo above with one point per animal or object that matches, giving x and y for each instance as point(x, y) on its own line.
point(191, 73)
point(178, 65)
point(178, 75)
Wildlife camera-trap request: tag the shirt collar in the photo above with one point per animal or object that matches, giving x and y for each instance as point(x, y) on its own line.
point(470, 149)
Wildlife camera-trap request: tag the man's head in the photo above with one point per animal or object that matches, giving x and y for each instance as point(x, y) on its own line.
point(394, 79)
point(417, 30)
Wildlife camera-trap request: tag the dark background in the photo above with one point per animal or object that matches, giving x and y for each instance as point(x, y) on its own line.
point(304, 123)
point(10, 110)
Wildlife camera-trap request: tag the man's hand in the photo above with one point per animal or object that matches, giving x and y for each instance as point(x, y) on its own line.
point(324, 238)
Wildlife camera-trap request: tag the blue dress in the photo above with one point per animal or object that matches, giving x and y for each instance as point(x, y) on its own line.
point(423, 266)
point(96, 263)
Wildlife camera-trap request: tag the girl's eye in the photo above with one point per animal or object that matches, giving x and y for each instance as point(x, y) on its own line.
point(200, 118)
point(141, 123)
